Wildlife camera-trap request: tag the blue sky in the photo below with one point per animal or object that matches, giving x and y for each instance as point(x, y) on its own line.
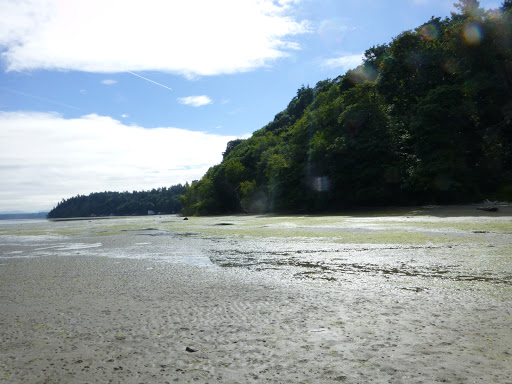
point(131, 95)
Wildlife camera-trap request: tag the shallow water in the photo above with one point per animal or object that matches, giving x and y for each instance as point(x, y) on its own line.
point(416, 252)
point(22, 221)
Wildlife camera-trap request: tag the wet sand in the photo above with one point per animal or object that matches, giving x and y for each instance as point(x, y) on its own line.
point(258, 299)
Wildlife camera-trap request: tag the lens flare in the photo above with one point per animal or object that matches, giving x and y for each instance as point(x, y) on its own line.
point(450, 66)
point(321, 184)
point(333, 30)
point(414, 60)
point(430, 32)
point(473, 33)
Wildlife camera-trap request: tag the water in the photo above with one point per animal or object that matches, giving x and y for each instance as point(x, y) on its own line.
point(416, 252)
point(22, 221)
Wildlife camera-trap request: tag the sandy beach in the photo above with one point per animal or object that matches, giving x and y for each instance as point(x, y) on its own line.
point(414, 296)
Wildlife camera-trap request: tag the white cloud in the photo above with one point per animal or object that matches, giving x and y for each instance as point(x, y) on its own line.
point(193, 37)
point(195, 101)
point(108, 82)
point(344, 63)
point(45, 157)
point(236, 111)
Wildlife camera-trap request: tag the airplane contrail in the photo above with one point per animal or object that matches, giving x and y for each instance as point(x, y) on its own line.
point(151, 81)
point(44, 99)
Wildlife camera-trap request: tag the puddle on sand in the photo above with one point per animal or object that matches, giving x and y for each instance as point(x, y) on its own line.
point(197, 261)
point(69, 246)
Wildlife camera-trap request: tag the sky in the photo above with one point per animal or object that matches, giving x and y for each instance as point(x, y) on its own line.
point(124, 95)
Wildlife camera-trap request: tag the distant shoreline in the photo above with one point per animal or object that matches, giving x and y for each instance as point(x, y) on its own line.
point(474, 209)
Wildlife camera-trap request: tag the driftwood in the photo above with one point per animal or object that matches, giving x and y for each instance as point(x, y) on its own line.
point(488, 209)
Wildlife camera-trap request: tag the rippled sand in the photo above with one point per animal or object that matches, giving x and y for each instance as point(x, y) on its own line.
point(412, 296)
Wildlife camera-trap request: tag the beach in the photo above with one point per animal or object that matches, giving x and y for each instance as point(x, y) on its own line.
point(412, 296)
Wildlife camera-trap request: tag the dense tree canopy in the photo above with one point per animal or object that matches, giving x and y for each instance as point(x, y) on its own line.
point(165, 200)
point(426, 118)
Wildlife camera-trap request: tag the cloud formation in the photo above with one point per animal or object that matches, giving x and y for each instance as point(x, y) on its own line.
point(344, 63)
point(45, 157)
point(108, 82)
point(193, 37)
point(195, 101)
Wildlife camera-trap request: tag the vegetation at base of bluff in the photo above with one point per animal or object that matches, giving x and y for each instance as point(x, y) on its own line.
point(426, 118)
point(165, 200)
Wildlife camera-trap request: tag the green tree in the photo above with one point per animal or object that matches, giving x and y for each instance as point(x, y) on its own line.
point(469, 8)
point(506, 7)
point(445, 140)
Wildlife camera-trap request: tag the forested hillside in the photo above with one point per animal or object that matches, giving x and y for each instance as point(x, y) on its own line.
point(426, 118)
point(165, 200)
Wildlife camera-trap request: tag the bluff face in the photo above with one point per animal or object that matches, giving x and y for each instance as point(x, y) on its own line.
point(426, 118)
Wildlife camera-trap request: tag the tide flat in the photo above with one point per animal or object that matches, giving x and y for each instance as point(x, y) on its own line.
point(406, 296)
